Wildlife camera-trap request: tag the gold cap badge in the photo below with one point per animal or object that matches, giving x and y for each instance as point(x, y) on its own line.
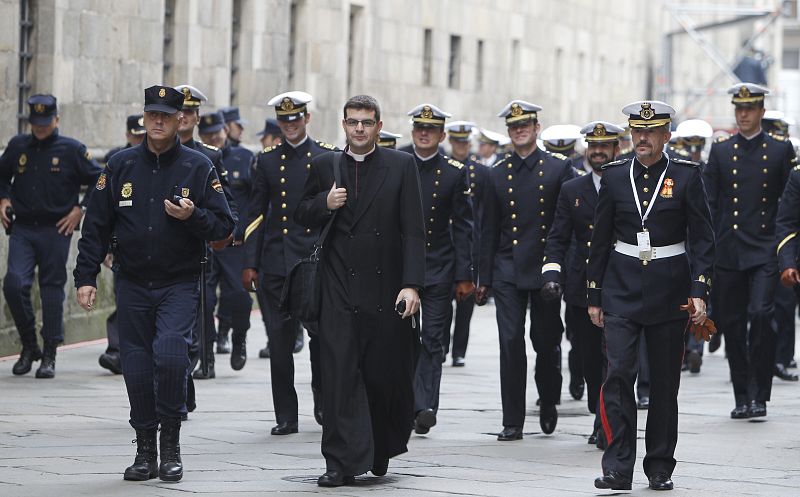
point(516, 110)
point(162, 93)
point(287, 104)
point(599, 130)
point(647, 111)
point(38, 108)
point(744, 92)
point(427, 113)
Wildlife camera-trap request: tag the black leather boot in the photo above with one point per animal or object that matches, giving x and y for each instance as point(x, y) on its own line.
point(198, 375)
point(239, 349)
point(47, 369)
point(145, 466)
point(171, 467)
point(30, 353)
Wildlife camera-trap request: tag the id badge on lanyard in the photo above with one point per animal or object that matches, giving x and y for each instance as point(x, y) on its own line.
point(643, 237)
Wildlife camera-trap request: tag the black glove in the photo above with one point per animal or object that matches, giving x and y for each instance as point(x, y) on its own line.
point(551, 291)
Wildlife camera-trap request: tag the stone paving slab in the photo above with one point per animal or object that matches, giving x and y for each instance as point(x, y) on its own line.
point(69, 437)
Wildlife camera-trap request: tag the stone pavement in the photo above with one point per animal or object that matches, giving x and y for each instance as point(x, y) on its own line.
point(69, 436)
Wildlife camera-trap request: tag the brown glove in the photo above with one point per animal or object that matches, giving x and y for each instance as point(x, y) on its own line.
point(464, 289)
point(701, 331)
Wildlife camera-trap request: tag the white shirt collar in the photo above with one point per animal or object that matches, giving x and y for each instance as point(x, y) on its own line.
point(746, 137)
point(423, 159)
point(359, 157)
point(596, 180)
point(295, 145)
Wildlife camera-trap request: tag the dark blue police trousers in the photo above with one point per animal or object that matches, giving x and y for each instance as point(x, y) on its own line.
point(29, 247)
point(155, 331)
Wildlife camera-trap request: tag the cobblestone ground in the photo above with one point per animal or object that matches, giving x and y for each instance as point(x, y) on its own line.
point(69, 436)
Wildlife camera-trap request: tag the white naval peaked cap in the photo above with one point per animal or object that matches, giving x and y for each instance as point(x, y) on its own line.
point(518, 111)
point(428, 114)
point(460, 130)
point(648, 113)
point(747, 93)
point(601, 131)
point(489, 136)
point(561, 134)
point(694, 127)
point(192, 97)
point(290, 105)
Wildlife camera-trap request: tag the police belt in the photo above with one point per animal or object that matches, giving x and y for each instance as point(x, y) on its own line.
point(658, 252)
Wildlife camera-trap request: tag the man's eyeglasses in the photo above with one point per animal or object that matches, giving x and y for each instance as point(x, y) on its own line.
point(353, 123)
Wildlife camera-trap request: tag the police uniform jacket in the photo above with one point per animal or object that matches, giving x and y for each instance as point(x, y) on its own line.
point(273, 241)
point(787, 223)
point(238, 164)
point(653, 292)
point(744, 180)
point(572, 227)
point(519, 206)
point(154, 249)
point(447, 208)
point(113, 151)
point(43, 177)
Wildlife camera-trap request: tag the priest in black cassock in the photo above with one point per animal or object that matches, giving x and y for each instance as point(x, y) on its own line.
point(373, 260)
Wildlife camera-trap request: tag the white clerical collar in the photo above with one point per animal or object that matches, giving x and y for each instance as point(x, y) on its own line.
point(750, 137)
point(423, 159)
point(295, 145)
point(596, 180)
point(359, 157)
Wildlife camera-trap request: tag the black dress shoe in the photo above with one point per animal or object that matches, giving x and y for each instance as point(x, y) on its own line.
point(239, 351)
point(695, 360)
point(592, 439)
point(783, 373)
point(660, 481)
point(576, 387)
point(334, 479)
point(613, 480)
point(264, 353)
point(740, 412)
point(757, 409)
point(424, 421)
point(548, 418)
point(285, 428)
point(643, 403)
point(380, 467)
point(510, 433)
point(458, 362)
point(299, 342)
point(714, 343)
point(111, 362)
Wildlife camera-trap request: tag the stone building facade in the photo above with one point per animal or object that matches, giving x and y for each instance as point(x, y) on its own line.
point(580, 60)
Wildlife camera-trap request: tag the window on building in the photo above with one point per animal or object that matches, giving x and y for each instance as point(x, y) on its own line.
point(354, 44)
point(169, 48)
point(293, 13)
point(26, 51)
point(454, 64)
point(791, 59)
point(236, 40)
point(479, 66)
point(427, 57)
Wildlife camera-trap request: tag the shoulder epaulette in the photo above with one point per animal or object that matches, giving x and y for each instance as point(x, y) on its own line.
point(558, 156)
point(618, 162)
point(579, 172)
point(796, 168)
point(721, 139)
point(326, 145)
point(685, 162)
point(268, 149)
point(456, 164)
point(778, 137)
point(679, 151)
point(210, 147)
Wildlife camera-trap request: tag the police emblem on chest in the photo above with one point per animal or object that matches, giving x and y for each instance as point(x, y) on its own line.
point(54, 168)
point(666, 190)
point(577, 202)
point(184, 192)
point(127, 190)
point(23, 162)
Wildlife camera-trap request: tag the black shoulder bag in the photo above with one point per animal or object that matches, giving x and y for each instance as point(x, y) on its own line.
point(302, 294)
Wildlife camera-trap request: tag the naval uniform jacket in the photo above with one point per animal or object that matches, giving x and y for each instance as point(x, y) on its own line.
point(574, 222)
point(519, 207)
point(652, 292)
point(478, 178)
point(447, 207)
point(744, 180)
point(273, 241)
point(787, 224)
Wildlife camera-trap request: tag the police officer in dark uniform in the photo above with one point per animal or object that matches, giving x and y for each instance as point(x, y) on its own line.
point(388, 140)
point(574, 220)
point(744, 178)
point(651, 206)
point(162, 201)
point(235, 302)
point(459, 134)
point(134, 134)
point(448, 253)
point(190, 119)
point(41, 174)
point(274, 243)
point(519, 205)
point(234, 125)
point(270, 136)
point(787, 227)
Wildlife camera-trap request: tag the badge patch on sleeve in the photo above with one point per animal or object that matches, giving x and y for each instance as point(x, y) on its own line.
point(216, 185)
point(101, 182)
